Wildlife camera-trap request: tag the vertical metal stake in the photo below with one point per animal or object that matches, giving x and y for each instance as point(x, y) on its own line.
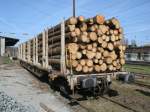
point(74, 8)
point(63, 62)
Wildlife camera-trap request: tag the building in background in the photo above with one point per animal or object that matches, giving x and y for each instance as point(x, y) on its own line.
point(6, 46)
point(138, 53)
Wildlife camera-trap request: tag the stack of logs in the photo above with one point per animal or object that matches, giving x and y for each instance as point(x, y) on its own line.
point(93, 45)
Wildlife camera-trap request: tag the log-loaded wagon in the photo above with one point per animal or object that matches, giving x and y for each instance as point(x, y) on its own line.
point(77, 54)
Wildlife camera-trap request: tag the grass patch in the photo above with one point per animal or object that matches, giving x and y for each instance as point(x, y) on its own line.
point(137, 68)
point(6, 60)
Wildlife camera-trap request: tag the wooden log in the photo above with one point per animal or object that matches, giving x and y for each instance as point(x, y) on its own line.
point(114, 63)
point(122, 61)
point(98, 55)
point(54, 33)
point(90, 54)
point(85, 33)
point(96, 27)
point(105, 53)
point(85, 69)
point(73, 39)
point(83, 27)
point(77, 31)
point(82, 62)
point(100, 49)
point(92, 36)
point(89, 21)
point(97, 68)
point(73, 56)
point(84, 51)
point(95, 61)
point(73, 47)
point(110, 46)
point(116, 32)
point(54, 39)
point(82, 46)
point(55, 56)
point(116, 23)
point(112, 38)
point(78, 55)
point(84, 38)
point(113, 55)
point(94, 45)
point(107, 39)
point(120, 36)
point(117, 43)
point(116, 38)
point(100, 40)
point(103, 67)
point(71, 27)
point(104, 37)
point(90, 69)
point(114, 69)
point(110, 67)
point(91, 29)
point(89, 63)
point(73, 34)
point(99, 32)
point(100, 62)
point(94, 49)
point(123, 47)
point(99, 19)
point(104, 44)
point(54, 51)
point(78, 68)
point(74, 63)
point(89, 47)
point(54, 61)
point(72, 21)
point(108, 33)
point(111, 32)
point(103, 28)
point(81, 19)
point(57, 44)
point(68, 28)
point(118, 67)
point(57, 38)
point(121, 30)
point(122, 55)
point(109, 60)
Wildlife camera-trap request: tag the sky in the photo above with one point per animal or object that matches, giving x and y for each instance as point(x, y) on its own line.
point(20, 17)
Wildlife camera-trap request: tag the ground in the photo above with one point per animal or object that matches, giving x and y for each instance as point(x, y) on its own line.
point(137, 69)
point(20, 84)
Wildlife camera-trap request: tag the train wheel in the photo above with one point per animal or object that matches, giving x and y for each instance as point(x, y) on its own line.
point(103, 87)
point(60, 84)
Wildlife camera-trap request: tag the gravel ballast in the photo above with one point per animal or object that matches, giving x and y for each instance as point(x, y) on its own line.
point(9, 104)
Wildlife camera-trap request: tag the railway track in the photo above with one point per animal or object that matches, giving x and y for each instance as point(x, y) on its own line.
point(142, 84)
point(77, 101)
point(141, 76)
point(105, 98)
point(120, 104)
point(138, 63)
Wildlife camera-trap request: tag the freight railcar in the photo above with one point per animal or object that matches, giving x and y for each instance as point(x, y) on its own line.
point(48, 55)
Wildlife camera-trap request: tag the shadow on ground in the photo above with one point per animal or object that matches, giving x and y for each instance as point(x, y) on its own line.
point(146, 93)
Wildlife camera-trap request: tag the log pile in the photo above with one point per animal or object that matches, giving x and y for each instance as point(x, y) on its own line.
point(93, 45)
